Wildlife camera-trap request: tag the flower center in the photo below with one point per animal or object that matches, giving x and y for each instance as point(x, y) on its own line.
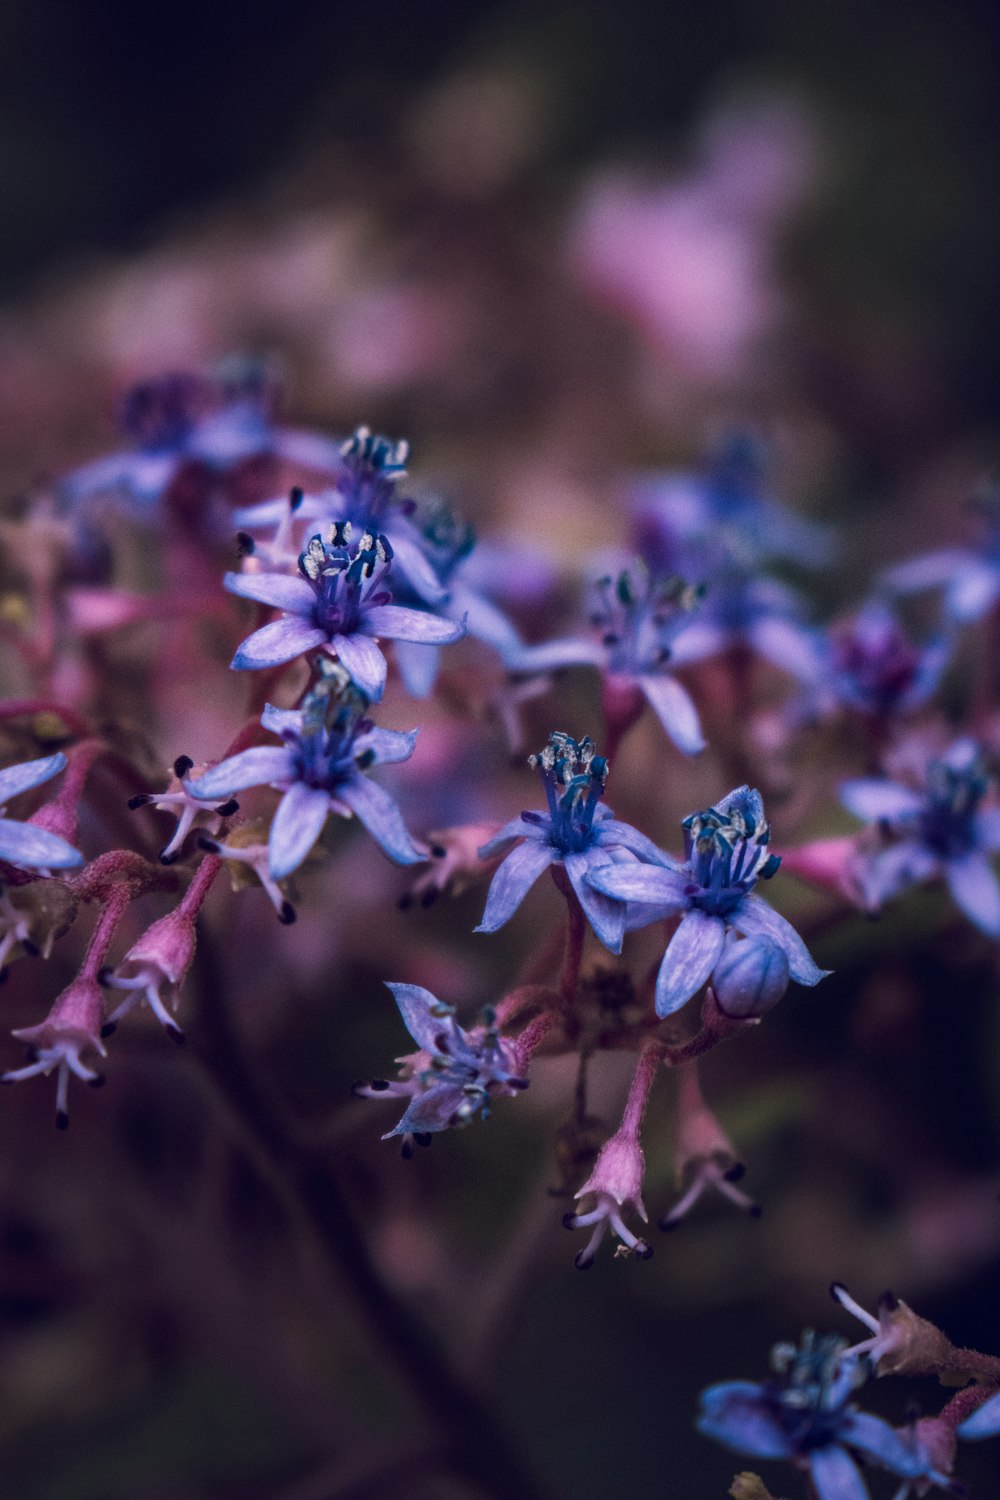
point(346, 577)
point(574, 776)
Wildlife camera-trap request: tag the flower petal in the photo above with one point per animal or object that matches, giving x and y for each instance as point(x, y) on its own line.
point(32, 848)
point(278, 642)
point(398, 623)
point(298, 823)
point(987, 826)
point(974, 886)
point(792, 647)
point(390, 745)
point(836, 1475)
point(984, 1422)
point(973, 591)
point(673, 706)
point(874, 1437)
point(21, 778)
point(418, 667)
point(737, 1413)
point(408, 559)
point(605, 915)
point(690, 958)
point(875, 800)
point(362, 659)
point(610, 833)
point(416, 1006)
point(517, 828)
point(885, 874)
point(379, 813)
point(755, 918)
point(651, 884)
point(280, 590)
point(264, 765)
point(483, 619)
point(278, 720)
point(512, 881)
point(575, 651)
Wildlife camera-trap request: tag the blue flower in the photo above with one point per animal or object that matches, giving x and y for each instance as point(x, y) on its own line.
point(328, 745)
point(940, 830)
point(340, 601)
point(450, 1080)
point(745, 611)
point(22, 844)
point(805, 1415)
point(726, 853)
point(578, 832)
point(636, 617)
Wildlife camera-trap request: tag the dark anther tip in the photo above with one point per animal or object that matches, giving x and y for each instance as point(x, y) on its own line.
point(103, 975)
point(3, 975)
point(438, 851)
point(296, 496)
point(379, 1085)
point(735, 1172)
point(109, 1028)
point(429, 896)
point(644, 1251)
point(423, 1138)
point(175, 1034)
point(168, 859)
point(287, 915)
point(889, 1301)
point(668, 1225)
point(139, 800)
point(583, 1261)
point(755, 1210)
point(835, 1289)
point(182, 765)
point(62, 1120)
point(30, 948)
point(228, 808)
point(210, 846)
point(405, 901)
point(98, 1081)
point(569, 1221)
point(406, 1150)
point(245, 544)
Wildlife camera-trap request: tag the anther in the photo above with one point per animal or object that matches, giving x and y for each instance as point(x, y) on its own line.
point(139, 800)
point(182, 765)
point(228, 808)
point(62, 1120)
point(287, 915)
point(246, 546)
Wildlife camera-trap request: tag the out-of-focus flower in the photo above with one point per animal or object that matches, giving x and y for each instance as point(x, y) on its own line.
point(970, 577)
point(455, 1073)
point(578, 832)
point(636, 618)
point(328, 745)
point(455, 863)
point(70, 1032)
point(616, 1186)
point(901, 1342)
point(805, 1414)
point(703, 1154)
point(340, 601)
point(25, 845)
point(940, 830)
point(984, 1422)
point(726, 853)
point(870, 666)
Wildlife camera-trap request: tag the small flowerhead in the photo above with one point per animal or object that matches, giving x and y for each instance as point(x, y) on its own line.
point(703, 1155)
point(153, 970)
point(615, 1185)
point(70, 1033)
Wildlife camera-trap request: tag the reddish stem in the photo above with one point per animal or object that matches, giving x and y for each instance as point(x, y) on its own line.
point(576, 927)
point(20, 708)
point(650, 1059)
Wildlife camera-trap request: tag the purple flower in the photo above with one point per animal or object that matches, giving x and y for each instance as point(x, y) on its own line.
point(328, 745)
point(451, 1079)
point(805, 1414)
point(870, 666)
point(636, 617)
point(726, 853)
point(578, 832)
point(340, 601)
point(24, 845)
point(940, 830)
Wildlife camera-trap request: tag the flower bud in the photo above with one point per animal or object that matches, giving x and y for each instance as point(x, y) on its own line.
point(750, 977)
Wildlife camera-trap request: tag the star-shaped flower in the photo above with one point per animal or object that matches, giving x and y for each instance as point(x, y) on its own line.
point(24, 845)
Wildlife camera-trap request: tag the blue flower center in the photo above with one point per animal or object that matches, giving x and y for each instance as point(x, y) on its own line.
point(325, 752)
point(373, 466)
point(346, 578)
point(574, 777)
point(811, 1395)
point(947, 821)
point(727, 854)
point(637, 617)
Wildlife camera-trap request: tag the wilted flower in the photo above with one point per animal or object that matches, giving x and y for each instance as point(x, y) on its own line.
point(179, 798)
point(25, 845)
point(940, 830)
point(70, 1032)
point(451, 1079)
point(578, 832)
point(703, 1154)
point(727, 852)
point(328, 745)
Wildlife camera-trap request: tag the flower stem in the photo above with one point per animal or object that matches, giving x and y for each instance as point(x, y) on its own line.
point(576, 927)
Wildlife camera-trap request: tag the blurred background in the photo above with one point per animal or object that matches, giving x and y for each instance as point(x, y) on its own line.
point(549, 244)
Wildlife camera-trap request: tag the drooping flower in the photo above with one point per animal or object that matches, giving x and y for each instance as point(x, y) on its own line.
point(940, 830)
point(454, 1074)
point(339, 601)
point(727, 851)
point(179, 799)
point(635, 618)
point(578, 832)
point(25, 845)
point(70, 1032)
point(328, 745)
point(615, 1185)
point(805, 1414)
point(703, 1155)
